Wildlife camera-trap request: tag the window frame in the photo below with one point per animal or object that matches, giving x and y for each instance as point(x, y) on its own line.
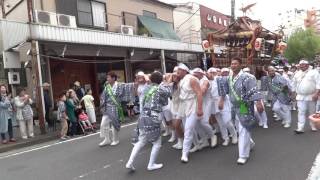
point(92, 18)
point(146, 11)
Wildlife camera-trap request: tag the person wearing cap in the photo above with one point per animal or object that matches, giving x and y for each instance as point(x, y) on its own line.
point(223, 113)
point(47, 103)
point(280, 88)
point(203, 127)
point(190, 109)
point(112, 112)
point(243, 96)
point(306, 86)
point(78, 89)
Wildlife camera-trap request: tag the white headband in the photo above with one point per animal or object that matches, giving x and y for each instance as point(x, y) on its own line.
point(303, 62)
point(183, 67)
point(246, 69)
point(212, 70)
point(197, 70)
point(225, 70)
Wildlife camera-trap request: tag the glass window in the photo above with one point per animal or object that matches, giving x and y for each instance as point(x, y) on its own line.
point(149, 14)
point(220, 21)
point(214, 19)
point(85, 13)
point(99, 14)
point(131, 20)
point(209, 17)
point(225, 23)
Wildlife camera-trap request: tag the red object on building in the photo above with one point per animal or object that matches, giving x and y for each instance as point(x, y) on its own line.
point(212, 19)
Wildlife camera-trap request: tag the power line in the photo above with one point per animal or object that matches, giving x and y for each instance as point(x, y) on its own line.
point(188, 19)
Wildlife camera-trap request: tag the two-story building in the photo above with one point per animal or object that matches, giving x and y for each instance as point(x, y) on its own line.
point(193, 22)
point(62, 41)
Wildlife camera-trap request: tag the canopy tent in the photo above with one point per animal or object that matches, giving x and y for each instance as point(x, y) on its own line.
point(158, 28)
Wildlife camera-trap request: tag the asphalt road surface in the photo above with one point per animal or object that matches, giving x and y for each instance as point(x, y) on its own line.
point(279, 154)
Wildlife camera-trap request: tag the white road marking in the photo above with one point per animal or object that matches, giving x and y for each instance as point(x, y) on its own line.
point(314, 173)
point(57, 143)
point(92, 172)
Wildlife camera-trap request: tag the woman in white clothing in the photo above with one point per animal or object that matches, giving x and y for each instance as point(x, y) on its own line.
point(90, 107)
point(24, 114)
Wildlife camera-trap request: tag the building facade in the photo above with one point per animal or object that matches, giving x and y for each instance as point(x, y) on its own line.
point(81, 40)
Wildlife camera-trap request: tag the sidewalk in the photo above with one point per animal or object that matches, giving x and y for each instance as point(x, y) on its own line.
point(40, 138)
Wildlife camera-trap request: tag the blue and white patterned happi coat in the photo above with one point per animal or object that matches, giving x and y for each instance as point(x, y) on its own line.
point(275, 86)
point(149, 120)
point(245, 86)
point(123, 92)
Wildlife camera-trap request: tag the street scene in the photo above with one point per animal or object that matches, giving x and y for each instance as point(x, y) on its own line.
point(159, 89)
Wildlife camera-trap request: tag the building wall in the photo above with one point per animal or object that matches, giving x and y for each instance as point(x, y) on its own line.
point(212, 20)
point(116, 7)
point(188, 29)
point(20, 13)
point(20, 10)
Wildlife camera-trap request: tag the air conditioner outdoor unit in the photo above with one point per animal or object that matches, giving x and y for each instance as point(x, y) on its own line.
point(14, 77)
point(66, 20)
point(46, 17)
point(126, 29)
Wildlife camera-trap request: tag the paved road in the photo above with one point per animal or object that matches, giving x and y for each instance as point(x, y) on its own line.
point(278, 155)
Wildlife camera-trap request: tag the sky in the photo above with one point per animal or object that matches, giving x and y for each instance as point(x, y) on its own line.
point(272, 13)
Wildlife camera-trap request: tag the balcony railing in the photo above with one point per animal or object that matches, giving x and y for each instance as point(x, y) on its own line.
point(13, 33)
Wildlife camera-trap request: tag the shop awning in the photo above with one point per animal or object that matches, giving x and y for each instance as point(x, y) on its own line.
point(158, 28)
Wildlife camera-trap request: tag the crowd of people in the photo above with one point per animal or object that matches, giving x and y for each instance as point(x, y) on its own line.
point(193, 106)
point(18, 108)
point(76, 109)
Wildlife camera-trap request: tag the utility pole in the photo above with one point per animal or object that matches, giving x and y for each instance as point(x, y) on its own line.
point(3, 10)
point(233, 17)
point(37, 77)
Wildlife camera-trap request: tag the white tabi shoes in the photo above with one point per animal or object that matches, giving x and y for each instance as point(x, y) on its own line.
point(130, 166)
point(194, 149)
point(178, 145)
point(242, 161)
point(184, 158)
point(234, 139)
point(105, 142)
point(214, 141)
point(226, 142)
point(287, 125)
point(154, 167)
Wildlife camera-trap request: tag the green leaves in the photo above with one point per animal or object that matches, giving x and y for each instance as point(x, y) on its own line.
point(302, 44)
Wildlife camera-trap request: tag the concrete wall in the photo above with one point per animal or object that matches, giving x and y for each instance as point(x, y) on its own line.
point(116, 7)
point(18, 11)
point(188, 30)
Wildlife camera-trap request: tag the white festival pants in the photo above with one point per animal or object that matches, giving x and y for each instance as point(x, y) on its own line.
point(244, 142)
point(105, 126)
point(140, 144)
point(189, 129)
point(203, 127)
point(305, 109)
point(283, 110)
point(26, 128)
point(225, 124)
point(262, 117)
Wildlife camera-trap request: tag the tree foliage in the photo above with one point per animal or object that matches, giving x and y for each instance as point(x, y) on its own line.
point(302, 44)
